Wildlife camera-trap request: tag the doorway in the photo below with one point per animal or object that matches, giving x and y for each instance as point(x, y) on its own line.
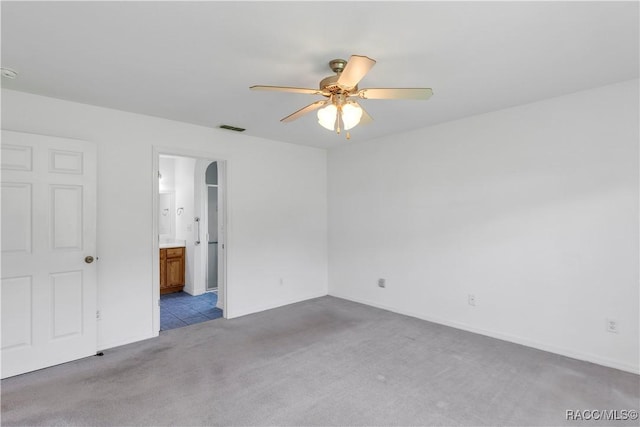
point(189, 235)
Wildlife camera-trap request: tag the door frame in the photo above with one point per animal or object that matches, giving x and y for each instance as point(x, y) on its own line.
point(157, 151)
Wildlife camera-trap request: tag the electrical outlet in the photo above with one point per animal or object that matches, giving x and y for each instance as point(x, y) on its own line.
point(612, 326)
point(281, 281)
point(471, 299)
point(382, 283)
point(98, 315)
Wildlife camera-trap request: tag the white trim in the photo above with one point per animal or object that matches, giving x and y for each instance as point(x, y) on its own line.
point(155, 244)
point(587, 357)
point(119, 343)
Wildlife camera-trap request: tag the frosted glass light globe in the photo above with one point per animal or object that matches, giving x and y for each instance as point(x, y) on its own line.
point(327, 116)
point(351, 115)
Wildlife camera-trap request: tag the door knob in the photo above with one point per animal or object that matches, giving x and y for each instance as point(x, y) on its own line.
point(88, 259)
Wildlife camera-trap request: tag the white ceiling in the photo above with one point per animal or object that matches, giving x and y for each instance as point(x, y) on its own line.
point(194, 61)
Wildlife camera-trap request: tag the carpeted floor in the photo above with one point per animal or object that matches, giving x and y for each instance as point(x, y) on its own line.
point(325, 361)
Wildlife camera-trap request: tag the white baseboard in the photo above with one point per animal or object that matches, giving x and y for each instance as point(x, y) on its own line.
point(587, 357)
point(233, 314)
point(129, 340)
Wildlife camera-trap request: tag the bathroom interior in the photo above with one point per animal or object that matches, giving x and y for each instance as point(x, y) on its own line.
point(188, 230)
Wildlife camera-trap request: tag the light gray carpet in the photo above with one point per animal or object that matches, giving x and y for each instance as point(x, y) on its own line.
point(321, 362)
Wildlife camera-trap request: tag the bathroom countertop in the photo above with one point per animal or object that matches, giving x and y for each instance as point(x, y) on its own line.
point(174, 244)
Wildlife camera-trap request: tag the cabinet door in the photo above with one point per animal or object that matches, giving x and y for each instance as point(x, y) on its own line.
point(175, 271)
point(163, 268)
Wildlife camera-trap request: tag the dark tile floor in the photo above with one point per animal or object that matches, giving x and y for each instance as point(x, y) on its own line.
point(181, 309)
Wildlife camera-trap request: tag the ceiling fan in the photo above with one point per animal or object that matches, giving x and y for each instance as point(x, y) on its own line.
point(338, 111)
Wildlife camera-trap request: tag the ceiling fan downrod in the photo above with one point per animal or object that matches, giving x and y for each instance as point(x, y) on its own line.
point(337, 65)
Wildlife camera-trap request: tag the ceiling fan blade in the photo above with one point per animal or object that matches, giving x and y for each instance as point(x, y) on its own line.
point(301, 112)
point(395, 93)
point(288, 89)
point(357, 67)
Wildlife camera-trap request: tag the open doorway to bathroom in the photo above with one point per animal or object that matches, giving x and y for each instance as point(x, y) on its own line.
point(190, 224)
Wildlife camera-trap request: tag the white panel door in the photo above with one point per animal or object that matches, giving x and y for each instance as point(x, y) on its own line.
point(48, 288)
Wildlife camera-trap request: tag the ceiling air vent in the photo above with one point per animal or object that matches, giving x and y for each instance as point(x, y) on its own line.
point(232, 128)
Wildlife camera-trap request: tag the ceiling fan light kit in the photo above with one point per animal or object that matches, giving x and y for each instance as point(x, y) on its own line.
point(338, 112)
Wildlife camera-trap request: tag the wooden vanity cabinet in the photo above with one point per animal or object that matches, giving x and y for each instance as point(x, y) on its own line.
point(171, 270)
point(163, 269)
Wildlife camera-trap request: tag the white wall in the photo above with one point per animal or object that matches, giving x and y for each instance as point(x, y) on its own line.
point(276, 201)
point(184, 179)
point(532, 209)
point(167, 188)
point(167, 168)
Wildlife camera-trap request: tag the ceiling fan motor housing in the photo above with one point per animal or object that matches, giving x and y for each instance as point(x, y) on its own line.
point(329, 84)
